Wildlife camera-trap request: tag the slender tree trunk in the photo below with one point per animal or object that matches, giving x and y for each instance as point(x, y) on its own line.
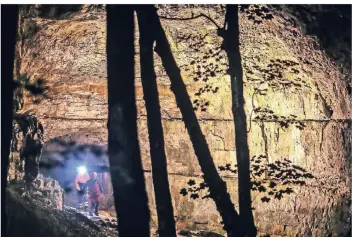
point(127, 176)
point(9, 17)
point(166, 222)
point(232, 48)
point(217, 187)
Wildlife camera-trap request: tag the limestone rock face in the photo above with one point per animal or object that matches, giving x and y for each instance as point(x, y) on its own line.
point(50, 190)
point(297, 107)
point(37, 217)
point(26, 147)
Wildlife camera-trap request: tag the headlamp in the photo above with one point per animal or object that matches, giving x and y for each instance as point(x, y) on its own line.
point(82, 170)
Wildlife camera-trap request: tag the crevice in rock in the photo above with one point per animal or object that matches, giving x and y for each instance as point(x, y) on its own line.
point(68, 118)
point(144, 117)
point(265, 139)
point(213, 132)
point(303, 105)
point(322, 135)
point(327, 108)
point(277, 134)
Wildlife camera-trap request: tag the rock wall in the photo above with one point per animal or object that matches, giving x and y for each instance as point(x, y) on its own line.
point(26, 147)
point(297, 108)
point(49, 190)
point(31, 214)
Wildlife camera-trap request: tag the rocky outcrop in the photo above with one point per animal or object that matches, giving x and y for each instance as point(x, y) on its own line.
point(297, 107)
point(50, 190)
point(26, 147)
point(30, 214)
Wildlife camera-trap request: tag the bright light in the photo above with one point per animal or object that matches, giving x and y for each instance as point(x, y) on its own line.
point(82, 170)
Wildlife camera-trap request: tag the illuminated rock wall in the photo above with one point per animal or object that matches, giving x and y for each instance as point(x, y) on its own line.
point(297, 108)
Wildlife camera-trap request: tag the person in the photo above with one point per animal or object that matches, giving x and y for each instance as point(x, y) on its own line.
point(95, 191)
point(80, 181)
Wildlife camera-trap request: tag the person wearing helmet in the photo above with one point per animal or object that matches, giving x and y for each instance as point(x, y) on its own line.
point(95, 191)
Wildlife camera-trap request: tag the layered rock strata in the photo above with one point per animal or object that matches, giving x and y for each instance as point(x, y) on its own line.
point(297, 107)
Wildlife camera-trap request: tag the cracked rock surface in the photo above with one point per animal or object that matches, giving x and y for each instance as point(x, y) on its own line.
point(40, 216)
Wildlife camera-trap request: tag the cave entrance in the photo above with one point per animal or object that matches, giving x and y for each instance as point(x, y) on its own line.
point(65, 160)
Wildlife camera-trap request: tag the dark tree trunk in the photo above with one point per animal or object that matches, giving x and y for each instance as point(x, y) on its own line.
point(232, 48)
point(9, 18)
point(127, 176)
point(217, 187)
point(166, 222)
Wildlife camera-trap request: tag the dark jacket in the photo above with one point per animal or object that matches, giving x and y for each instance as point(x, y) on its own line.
point(91, 185)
